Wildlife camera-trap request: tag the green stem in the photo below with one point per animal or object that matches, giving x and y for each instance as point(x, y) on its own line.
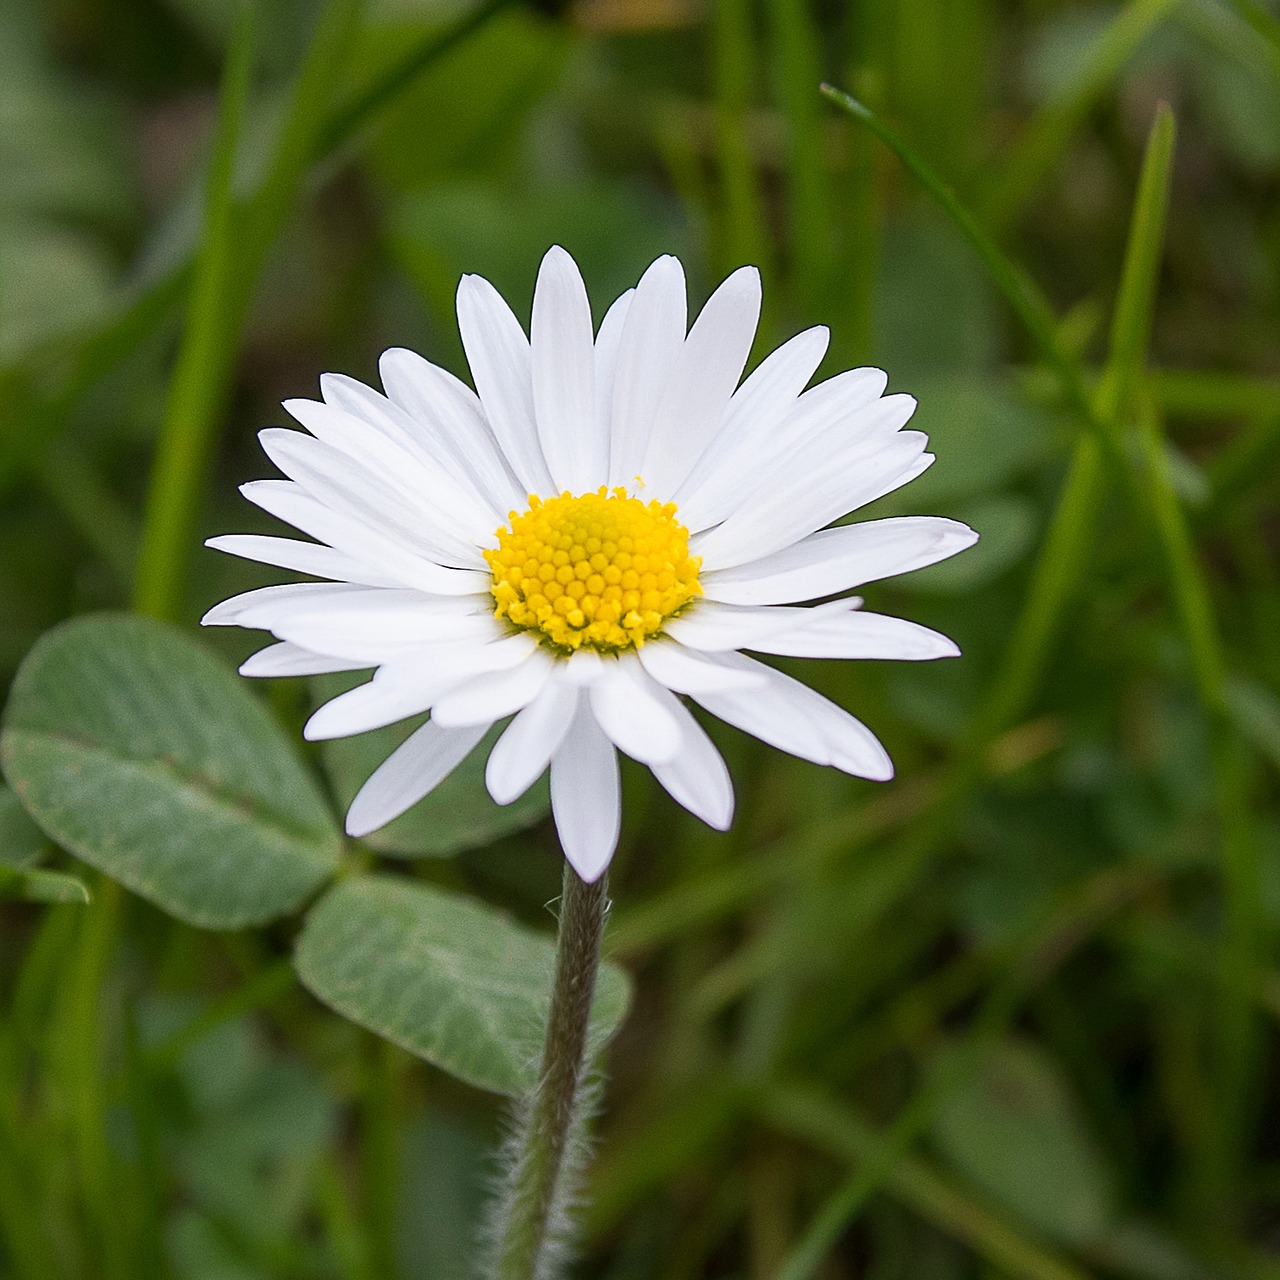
point(741, 231)
point(84, 1053)
point(200, 380)
point(530, 1230)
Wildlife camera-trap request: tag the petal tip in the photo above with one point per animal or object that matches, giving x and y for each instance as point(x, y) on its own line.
point(357, 826)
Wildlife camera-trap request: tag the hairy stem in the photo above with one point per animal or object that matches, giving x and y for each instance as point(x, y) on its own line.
point(530, 1233)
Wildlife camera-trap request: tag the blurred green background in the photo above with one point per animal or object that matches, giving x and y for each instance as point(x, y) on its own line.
point(1011, 1015)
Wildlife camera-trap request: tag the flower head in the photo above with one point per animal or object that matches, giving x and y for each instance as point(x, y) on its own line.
point(601, 527)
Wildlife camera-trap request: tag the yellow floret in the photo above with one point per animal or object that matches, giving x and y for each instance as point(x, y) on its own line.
point(600, 569)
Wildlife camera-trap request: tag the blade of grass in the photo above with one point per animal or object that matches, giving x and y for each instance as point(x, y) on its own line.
point(1264, 22)
point(380, 1151)
point(742, 228)
point(1018, 288)
point(795, 72)
point(1211, 394)
point(79, 1059)
point(355, 114)
point(301, 138)
point(1061, 561)
point(1059, 566)
point(33, 424)
point(235, 246)
point(200, 380)
point(340, 1222)
point(1045, 139)
point(1055, 578)
point(858, 213)
point(148, 1246)
point(807, 1114)
point(27, 1248)
point(1240, 30)
point(1041, 948)
point(1064, 554)
point(1235, 1037)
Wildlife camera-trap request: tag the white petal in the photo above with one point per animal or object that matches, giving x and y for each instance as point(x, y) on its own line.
point(285, 659)
point(804, 498)
point(520, 756)
point(608, 344)
point(697, 776)
point(447, 411)
point(491, 697)
point(716, 628)
point(401, 508)
point(301, 557)
point(701, 381)
point(834, 560)
point(498, 353)
point(373, 634)
point(394, 693)
point(342, 603)
point(756, 412)
point(586, 797)
point(229, 612)
point(348, 399)
point(425, 759)
point(408, 686)
point(286, 501)
point(679, 668)
point(794, 718)
point(842, 409)
point(563, 354)
point(583, 668)
point(631, 714)
point(652, 337)
point(859, 635)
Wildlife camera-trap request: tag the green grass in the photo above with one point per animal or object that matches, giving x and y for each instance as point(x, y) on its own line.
point(1012, 1014)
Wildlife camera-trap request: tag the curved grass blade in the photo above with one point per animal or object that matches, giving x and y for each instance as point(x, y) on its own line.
point(1049, 133)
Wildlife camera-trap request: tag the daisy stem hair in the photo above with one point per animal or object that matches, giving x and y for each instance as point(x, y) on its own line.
point(531, 1226)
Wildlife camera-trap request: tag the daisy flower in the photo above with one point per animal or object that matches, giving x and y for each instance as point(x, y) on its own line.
point(594, 534)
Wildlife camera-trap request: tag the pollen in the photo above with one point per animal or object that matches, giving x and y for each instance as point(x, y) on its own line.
point(601, 569)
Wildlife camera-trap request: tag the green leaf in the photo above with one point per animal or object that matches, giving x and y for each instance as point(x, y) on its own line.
point(42, 886)
point(458, 815)
point(447, 978)
point(21, 841)
point(1013, 1127)
point(139, 752)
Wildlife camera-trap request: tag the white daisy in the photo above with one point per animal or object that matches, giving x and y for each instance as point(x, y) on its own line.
point(600, 530)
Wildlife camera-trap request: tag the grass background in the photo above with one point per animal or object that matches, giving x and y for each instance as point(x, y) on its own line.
point(1010, 1015)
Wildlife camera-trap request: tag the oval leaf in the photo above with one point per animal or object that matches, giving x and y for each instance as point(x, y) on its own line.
point(139, 752)
point(447, 978)
point(21, 841)
point(1014, 1127)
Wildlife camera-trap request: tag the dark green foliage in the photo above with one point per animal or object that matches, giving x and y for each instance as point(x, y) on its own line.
point(1012, 1014)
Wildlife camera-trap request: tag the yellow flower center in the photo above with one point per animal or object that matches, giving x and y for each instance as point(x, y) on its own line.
point(601, 569)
